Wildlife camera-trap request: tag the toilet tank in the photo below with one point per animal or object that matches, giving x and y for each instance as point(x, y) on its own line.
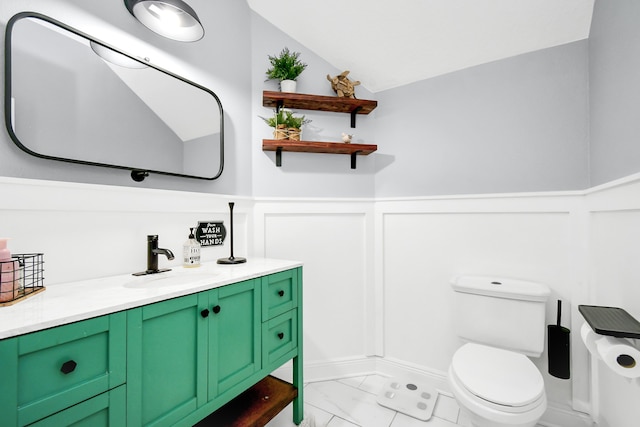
point(501, 312)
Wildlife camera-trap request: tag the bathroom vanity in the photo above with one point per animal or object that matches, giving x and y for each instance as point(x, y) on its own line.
point(162, 351)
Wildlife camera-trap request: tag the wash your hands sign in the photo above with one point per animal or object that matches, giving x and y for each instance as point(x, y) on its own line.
point(210, 233)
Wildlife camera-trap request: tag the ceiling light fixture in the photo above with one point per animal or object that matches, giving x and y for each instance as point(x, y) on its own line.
point(173, 19)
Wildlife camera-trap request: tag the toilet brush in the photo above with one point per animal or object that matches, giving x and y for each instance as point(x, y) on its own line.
point(558, 348)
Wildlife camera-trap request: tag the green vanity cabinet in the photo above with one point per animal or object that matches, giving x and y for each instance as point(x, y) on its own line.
point(191, 352)
point(50, 371)
point(169, 363)
point(255, 327)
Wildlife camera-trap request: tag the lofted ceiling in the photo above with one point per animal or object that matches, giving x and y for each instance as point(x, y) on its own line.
point(389, 44)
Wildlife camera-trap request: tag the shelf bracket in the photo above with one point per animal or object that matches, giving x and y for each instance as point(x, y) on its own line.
point(279, 156)
point(353, 158)
point(353, 117)
point(279, 105)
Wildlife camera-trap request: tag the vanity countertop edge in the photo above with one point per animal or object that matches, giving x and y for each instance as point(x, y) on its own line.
point(66, 303)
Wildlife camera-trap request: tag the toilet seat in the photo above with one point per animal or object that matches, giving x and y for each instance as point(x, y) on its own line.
point(501, 379)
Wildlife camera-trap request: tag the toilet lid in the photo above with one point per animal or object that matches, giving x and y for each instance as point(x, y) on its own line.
point(499, 376)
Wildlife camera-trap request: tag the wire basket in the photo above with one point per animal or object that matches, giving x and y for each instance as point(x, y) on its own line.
point(21, 277)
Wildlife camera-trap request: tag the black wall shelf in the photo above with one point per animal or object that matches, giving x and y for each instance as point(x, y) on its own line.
point(612, 321)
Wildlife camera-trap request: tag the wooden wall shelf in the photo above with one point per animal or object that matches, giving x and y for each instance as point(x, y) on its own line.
point(333, 104)
point(255, 407)
point(280, 145)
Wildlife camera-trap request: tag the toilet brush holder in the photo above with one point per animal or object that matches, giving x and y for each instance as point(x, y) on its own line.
point(559, 348)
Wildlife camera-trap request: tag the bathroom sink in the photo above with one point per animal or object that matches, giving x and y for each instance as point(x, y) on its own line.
point(169, 279)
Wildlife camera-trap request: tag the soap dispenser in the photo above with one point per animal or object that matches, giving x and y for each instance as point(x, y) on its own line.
point(10, 273)
point(191, 252)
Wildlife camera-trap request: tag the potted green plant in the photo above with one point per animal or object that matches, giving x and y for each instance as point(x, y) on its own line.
point(286, 67)
point(286, 125)
point(294, 125)
point(279, 124)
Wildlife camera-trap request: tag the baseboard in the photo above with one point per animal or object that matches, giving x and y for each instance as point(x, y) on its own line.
point(397, 368)
point(555, 416)
point(330, 370)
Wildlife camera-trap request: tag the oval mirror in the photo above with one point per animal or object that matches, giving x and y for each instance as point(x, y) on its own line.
point(72, 98)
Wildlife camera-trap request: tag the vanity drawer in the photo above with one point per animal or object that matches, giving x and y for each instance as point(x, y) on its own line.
point(279, 293)
point(60, 367)
point(105, 410)
point(279, 336)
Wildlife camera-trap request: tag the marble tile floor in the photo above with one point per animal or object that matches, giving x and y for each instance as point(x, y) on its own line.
point(351, 402)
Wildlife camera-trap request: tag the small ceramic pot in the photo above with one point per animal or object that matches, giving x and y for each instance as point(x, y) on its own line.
point(288, 86)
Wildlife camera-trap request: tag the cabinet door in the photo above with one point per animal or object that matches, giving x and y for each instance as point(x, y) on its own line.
point(166, 360)
point(234, 335)
point(105, 410)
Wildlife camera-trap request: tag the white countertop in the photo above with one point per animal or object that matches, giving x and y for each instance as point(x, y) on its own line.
point(70, 302)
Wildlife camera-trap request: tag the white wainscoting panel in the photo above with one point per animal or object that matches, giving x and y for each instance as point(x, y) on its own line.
point(88, 231)
point(423, 252)
point(428, 242)
point(332, 240)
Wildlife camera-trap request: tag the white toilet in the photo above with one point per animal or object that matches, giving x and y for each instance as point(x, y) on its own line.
point(491, 377)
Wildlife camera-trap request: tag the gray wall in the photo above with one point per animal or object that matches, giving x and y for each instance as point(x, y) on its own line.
point(514, 125)
point(520, 124)
point(614, 86)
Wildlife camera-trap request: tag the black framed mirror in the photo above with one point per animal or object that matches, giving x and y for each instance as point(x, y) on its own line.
point(72, 98)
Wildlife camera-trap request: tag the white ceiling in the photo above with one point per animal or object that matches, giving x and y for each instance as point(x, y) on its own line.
point(388, 44)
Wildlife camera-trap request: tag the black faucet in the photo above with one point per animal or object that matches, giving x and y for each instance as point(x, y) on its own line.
point(152, 256)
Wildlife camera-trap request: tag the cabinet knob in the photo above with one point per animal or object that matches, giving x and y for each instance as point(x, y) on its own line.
point(281, 292)
point(204, 313)
point(216, 309)
point(280, 335)
point(68, 367)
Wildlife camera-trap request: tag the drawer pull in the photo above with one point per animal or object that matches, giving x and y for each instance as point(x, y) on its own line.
point(216, 309)
point(280, 335)
point(281, 292)
point(204, 313)
point(68, 367)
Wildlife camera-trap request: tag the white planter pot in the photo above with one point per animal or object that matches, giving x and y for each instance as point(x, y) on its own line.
point(288, 86)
